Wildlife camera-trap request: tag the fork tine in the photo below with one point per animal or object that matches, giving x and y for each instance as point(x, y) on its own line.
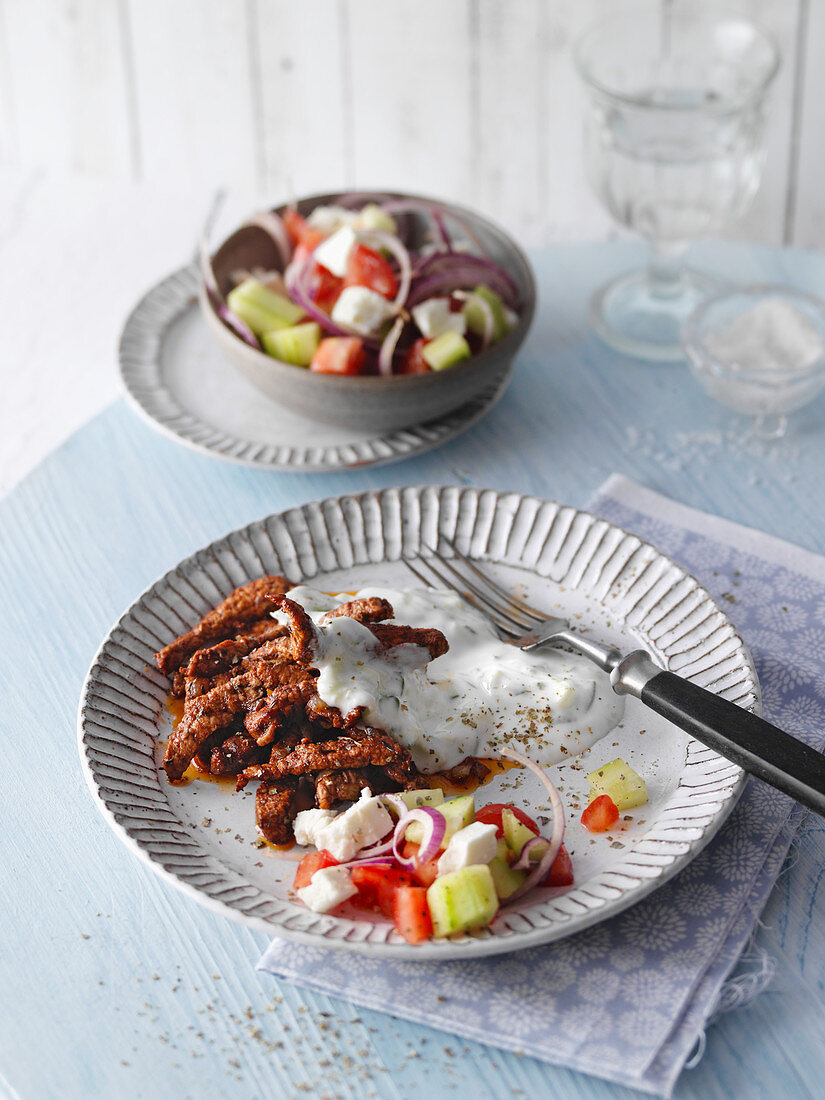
point(490, 605)
point(515, 610)
point(416, 572)
point(512, 601)
point(503, 622)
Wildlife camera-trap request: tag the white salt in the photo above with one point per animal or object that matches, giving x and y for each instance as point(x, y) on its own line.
point(771, 336)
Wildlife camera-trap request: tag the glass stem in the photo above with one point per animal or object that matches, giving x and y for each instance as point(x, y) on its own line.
point(665, 269)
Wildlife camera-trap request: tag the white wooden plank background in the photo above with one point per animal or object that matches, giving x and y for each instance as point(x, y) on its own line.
point(303, 104)
point(807, 198)
point(474, 100)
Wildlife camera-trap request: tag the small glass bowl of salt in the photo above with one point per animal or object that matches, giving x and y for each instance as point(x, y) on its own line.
point(760, 350)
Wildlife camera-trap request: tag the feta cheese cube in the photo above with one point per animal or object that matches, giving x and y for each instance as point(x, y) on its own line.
point(328, 888)
point(434, 318)
point(362, 309)
point(364, 823)
point(333, 253)
point(476, 843)
point(327, 219)
point(308, 824)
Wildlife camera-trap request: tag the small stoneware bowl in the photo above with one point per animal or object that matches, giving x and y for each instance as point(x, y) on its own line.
point(370, 402)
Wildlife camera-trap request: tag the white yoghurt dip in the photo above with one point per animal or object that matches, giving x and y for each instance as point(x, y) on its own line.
point(482, 693)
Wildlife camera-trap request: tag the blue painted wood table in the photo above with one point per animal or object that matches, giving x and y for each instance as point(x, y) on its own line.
point(115, 985)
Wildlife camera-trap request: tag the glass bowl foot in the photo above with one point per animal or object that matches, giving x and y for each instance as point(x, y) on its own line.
point(639, 319)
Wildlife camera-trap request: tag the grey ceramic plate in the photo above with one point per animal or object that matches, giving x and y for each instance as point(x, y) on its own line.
point(202, 837)
point(176, 376)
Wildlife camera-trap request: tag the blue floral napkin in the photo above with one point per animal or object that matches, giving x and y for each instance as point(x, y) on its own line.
point(628, 999)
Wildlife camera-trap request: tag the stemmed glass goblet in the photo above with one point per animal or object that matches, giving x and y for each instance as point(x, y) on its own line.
point(674, 148)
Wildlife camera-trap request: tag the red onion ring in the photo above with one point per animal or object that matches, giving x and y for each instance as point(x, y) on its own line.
point(296, 282)
point(539, 845)
point(421, 262)
point(296, 276)
point(435, 826)
point(239, 327)
point(382, 848)
point(388, 347)
point(460, 270)
point(438, 219)
point(293, 270)
point(273, 226)
point(369, 861)
point(391, 243)
point(422, 206)
point(538, 875)
point(542, 868)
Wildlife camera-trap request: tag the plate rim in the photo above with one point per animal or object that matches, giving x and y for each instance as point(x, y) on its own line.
point(136, 348)
point(442, 950)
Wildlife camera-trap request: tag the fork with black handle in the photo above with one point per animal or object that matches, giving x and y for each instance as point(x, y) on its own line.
point(760, 748)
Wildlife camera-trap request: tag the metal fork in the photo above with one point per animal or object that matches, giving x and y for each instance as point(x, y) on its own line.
point(744, 738)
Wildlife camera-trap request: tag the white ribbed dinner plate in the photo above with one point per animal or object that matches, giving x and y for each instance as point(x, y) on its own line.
point(202, 837)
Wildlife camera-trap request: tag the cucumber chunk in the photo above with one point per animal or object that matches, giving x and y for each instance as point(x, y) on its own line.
point(515, 833)
point(476, 318)
point(505, 879)
point(462, 900)
point(446, 350)
point(413, 799)
point(373, 217)
point(458, 813)
point(296, 344)
point(620, 783)
point(262, 309)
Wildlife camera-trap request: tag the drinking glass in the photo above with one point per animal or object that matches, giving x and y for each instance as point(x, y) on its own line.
point(674, 148)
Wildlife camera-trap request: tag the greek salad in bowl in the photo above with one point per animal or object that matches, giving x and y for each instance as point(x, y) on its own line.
point(361, 287)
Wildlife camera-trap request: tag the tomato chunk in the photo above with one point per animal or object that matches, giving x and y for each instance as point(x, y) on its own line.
point(323, 287)
point(339, 355)
point(311, 863)
point(377, 886)
point(300, 232)
point(368, 268)
point(491, 815)
point(561, 873)
point(425, 873)
point(601, 815)
point(411, 914)
point(413, 361)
